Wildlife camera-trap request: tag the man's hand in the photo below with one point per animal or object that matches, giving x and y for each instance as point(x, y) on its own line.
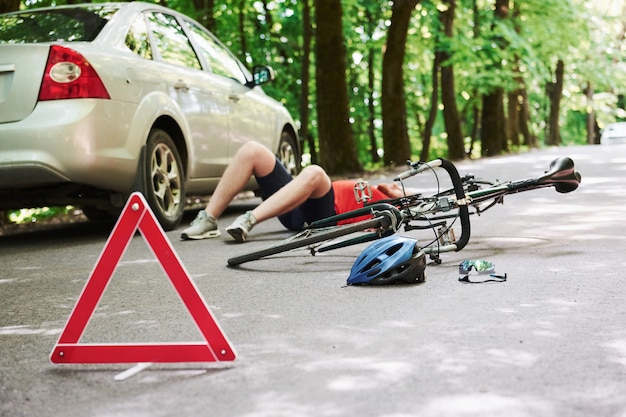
point(391, 190)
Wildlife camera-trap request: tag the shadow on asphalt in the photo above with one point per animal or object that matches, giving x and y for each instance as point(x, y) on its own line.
point(81, 229)
point(53, 233)
point(156, 373)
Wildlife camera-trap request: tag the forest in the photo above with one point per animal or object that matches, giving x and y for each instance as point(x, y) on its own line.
point(373, 83)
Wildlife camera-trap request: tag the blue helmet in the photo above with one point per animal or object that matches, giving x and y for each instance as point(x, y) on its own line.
point(390, 260)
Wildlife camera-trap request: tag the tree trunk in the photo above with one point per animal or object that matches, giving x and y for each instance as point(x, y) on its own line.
point(476, 114)
point(432, 114)
point(530, 140)
point(242, 28)
point(592, 138)
point(456, 148)
point(338, 153)
point(305, 76)
point(514, 98)
point(554, 94)
point(372, 26)
point(476, 120)
point(7, 6)
point(514, 111)
point(395, 135)
point(492, 123)
point(371, 108)
point(493, 132)
point(204, 13)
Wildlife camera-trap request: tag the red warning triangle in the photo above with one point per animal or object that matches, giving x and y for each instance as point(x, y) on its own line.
point(137, 215)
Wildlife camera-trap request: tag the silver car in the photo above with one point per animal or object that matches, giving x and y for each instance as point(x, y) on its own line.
point(614, 133)
point(99, 100)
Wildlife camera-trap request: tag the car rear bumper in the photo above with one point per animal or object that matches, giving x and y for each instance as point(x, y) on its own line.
point(28, 175)
point(71, 141)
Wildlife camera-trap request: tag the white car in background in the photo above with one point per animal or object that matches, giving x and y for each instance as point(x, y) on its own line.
point(613, 133)
point(99, 100)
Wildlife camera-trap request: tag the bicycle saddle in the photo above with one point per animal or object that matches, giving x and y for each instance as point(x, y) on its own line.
point(561, 175)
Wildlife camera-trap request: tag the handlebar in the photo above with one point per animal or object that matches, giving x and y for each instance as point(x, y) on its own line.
point(417, 167)
point(457, 184)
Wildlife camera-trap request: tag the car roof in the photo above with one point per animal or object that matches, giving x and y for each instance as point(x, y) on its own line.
point(134, 5)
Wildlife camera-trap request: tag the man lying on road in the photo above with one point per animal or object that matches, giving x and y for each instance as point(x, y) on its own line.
point(295, 201)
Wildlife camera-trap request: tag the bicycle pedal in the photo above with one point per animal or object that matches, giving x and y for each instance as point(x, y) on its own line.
point(446, 236)
point(362, 192)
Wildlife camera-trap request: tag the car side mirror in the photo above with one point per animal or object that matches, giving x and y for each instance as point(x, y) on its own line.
point(262, 75)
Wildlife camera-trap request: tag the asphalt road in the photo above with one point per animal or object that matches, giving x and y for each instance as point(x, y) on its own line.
point(551, 341)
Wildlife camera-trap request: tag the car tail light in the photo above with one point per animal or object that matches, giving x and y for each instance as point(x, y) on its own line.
point(69, 75)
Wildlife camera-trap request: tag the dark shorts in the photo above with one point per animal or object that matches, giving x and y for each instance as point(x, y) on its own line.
point(311, 210)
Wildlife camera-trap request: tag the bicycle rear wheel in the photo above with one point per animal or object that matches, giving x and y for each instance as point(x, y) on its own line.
point(313, 236)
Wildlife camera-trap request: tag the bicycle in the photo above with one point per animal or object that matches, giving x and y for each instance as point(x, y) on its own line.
point(439, 211)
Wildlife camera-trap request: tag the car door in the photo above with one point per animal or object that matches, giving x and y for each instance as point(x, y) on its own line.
point(251, 115)
point(201, 95)
point(251, 118)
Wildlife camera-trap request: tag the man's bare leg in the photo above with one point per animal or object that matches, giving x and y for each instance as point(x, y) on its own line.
point(255, 159)
point(251, 159)
point(312, 182)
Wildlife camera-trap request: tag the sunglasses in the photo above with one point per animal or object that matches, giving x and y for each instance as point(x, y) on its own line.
point(482, 268)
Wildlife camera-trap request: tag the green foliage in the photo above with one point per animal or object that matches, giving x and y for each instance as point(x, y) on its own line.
point(486, 53)
point(33, 215)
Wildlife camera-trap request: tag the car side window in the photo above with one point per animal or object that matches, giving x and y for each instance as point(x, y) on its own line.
point(171, 42)
point(216, 56)
point(137, 38)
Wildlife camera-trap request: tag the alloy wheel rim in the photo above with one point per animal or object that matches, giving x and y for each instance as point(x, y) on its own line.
point(165, 178)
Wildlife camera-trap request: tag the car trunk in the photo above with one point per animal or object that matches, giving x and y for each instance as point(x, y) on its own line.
point(21, 72)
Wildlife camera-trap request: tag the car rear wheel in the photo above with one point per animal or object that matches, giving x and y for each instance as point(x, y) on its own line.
point(288, 153)
point(165, 180)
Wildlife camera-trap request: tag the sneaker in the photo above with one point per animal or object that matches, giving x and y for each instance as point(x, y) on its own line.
point(242, 225)
point(202, 227)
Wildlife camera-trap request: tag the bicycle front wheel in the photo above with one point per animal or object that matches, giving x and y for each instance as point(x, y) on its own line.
point(312, 236)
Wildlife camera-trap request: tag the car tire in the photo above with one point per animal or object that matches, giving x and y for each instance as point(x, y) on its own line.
point(164, 185)
point(288, 153)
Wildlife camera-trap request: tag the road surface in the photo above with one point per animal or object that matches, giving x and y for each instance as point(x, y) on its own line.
point(551, 341)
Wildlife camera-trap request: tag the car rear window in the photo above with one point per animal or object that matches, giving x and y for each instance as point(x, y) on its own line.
point(55, 25)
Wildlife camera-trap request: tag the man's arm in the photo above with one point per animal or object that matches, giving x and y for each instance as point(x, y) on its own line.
point(392, 190)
